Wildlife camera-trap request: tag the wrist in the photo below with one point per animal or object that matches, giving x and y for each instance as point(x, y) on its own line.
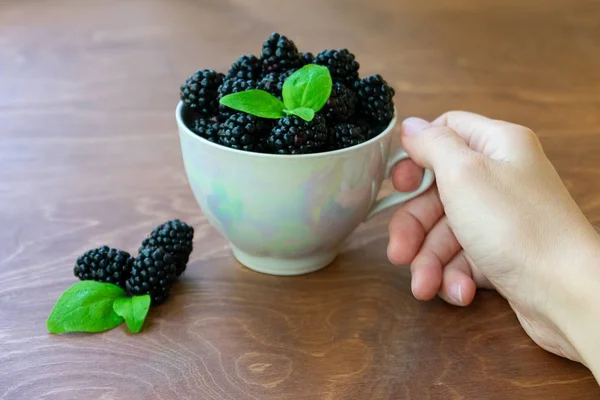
point(578, 305)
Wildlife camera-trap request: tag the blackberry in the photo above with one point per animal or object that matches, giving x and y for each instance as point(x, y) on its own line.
point(224, 113)
point(273, 82)
point(293, 135)
point(341, 64)
point(376, 98)
point(262, 146)
point(200, 92)
point(232, 86)
point(207, 128)
point(341, 105)
point(345, 135)
point(153, 273)
point(309, 58)
point(280, 54)
point(104, 264)
point(368, 127)
point(242, 131)
point(235, 85)
point(175, 237)
point(247, 67)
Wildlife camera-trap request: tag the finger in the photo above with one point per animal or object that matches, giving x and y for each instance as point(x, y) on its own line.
point(437, 148)
point(410, 224)
point(407, 176)
point(439, 247)
point(499, 140)
point(458, 287)
point(426, 277)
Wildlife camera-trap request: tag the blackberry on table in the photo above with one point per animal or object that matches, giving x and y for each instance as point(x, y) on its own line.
point(207, 128)
point(246, 67)
point(104, 264)
point(375, 97)
point(341, 105)
point(273, 82)
point(293, 135)
point(242, 131)
point(175, 237)
point(342, 65)
point(153, 273)
point(280, 54)
point(345, 135)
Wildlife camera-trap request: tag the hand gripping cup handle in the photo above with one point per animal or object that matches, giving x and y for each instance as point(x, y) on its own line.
point(399, 197)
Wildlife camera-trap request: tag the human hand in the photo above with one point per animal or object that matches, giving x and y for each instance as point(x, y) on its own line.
point(498, 217)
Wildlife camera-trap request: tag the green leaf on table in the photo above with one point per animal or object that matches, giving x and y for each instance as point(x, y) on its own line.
point(134, 310)
point(87, 306)
point(309, 87)
point(306, 114)
point(256, 102)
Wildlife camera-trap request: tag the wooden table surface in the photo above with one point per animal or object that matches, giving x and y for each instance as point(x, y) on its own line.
point(89, 155)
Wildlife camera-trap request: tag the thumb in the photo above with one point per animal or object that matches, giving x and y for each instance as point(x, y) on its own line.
point(432, 147)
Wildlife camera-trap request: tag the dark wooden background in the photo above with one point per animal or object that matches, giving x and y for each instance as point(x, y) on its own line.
point(89, 155)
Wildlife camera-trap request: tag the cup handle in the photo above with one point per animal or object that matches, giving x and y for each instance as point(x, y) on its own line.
point(399, 197)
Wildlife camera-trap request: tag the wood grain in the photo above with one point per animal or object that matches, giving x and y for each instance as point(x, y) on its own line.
point(89, 155)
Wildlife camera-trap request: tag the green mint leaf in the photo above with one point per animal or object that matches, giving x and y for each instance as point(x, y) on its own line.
point(306, 114)
point(87, 306)
point(134, 310)
point(309, 87)
point(256, 102)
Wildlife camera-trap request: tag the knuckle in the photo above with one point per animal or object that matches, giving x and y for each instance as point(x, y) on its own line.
point(531, 138)
point(521, 134)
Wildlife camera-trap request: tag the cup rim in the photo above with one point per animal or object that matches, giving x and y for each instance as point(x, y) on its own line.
point(188, 131)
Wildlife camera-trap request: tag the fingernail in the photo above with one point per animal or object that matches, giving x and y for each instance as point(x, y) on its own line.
point(413, 284)
point(455, 293)
point(414, 125)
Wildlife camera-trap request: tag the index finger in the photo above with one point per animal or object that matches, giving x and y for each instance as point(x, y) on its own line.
point(497, 139)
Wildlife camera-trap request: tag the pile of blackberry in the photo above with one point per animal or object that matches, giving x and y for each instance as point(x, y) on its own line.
point(162, 257)
point(356, 111)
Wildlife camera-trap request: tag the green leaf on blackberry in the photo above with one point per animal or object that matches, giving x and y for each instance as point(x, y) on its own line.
point(306, 114)
point(273, 82)
point(293, 135)
point(86, 306)
point(309, 87)
point(256, 102)
point(133, 310)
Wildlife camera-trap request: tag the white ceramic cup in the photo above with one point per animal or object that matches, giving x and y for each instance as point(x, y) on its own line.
point(288, 214)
